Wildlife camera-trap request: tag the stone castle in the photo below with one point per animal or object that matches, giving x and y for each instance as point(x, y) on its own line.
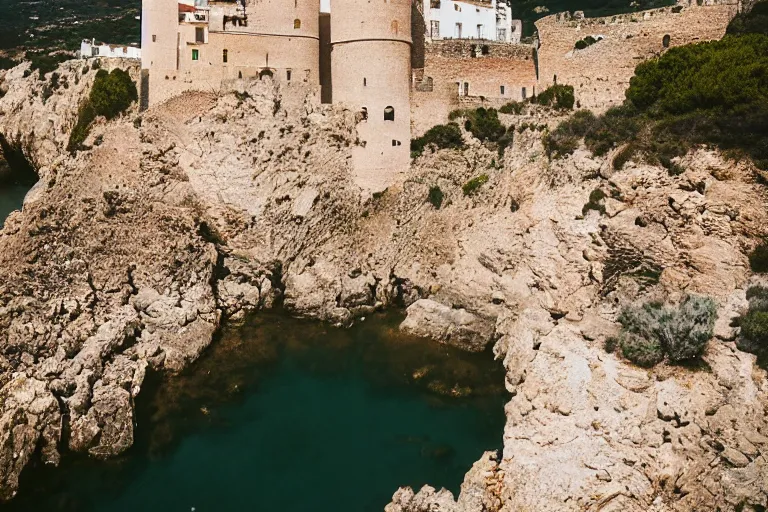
point(205, 45)
point(403, 65)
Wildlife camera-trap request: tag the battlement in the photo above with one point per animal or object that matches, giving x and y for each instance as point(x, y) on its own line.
point(477, 49)
point(577, 18)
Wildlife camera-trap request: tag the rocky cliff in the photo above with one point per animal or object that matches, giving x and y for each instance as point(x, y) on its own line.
point(128, 255)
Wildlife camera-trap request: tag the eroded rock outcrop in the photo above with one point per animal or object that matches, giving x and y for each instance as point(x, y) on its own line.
point(215, 205)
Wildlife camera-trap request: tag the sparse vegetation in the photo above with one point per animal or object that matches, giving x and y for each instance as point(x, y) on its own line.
point(484, 124)
point(45, 63)
point(111, 95)
point(652, 331)
point(7, 63)
point(513, 107)
point(758, 258)
point(556, 96)
point(754, 325)
point(474, 184)
point(586, 42)
point(596, 202)
point(443, 136)
point(753, 22)
point(435, 197)
point(706, 93)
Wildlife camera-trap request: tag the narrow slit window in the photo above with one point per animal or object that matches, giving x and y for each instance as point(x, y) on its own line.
point(288, 75)
point(224, 56)
point(154, 38)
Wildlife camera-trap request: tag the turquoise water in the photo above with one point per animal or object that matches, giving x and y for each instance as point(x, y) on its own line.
point(285, 415)
point(11, 198)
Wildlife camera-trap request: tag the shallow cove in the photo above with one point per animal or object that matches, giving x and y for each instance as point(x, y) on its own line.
point(13, 188)
point(288, 415)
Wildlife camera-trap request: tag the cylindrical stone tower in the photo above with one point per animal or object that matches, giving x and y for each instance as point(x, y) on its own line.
point(371, 67)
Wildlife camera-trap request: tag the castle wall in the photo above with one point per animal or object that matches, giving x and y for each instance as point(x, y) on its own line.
point(484, 68)
point(268, 39)
point(370, 64)
point(600, 73)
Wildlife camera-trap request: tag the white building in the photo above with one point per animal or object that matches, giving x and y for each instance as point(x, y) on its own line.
point(90, 48)
point(490, 20)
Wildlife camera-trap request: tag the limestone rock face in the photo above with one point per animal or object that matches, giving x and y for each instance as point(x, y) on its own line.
point(430, 319)
point(129, 254)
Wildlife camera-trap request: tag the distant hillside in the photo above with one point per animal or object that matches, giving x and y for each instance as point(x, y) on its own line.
point(531, 10)
point(61, 24)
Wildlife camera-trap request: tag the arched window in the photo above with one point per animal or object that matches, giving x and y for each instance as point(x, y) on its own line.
point(297, 23)
point(389, 114)
point(666, 40)
point(364, 113)
point(395, 27)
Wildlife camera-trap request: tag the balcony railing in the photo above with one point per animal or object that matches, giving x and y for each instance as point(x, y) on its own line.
point(193, 17)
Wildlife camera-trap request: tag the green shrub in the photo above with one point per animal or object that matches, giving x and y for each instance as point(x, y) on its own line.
point(564, 139)
point(435, 197)
point(758, 258)
point(472, 185)
point(754, 325)
point(641, 351)
point(681, 332)
point(513, 107)
point(7, 63)
point(484, 124)
point(596, 202)
point(753, 22)
point(557, 96)
point(459, 113)
point(44, 63)
point(506, 140)
point(705, 93)
point(111, 95)
point(444, 136)
point(616, 126)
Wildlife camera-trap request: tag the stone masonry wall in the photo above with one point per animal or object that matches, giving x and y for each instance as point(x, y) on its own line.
point(485, 66)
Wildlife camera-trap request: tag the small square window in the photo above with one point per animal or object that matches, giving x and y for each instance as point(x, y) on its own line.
point(195, 54)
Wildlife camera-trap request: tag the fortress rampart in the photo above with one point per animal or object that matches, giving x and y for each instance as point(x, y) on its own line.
point(469, 73)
